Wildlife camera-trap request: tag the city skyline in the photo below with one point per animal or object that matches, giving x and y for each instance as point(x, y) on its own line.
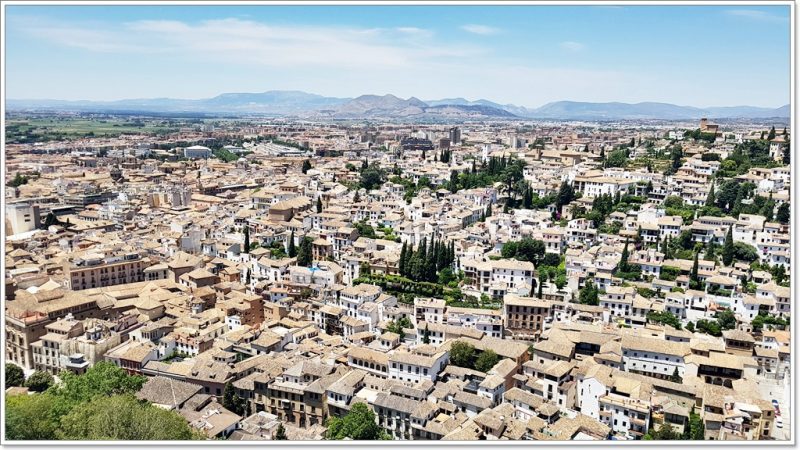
point(523, 55)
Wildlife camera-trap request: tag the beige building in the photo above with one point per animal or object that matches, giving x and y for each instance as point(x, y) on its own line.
point(524, 317)
point(93, 271)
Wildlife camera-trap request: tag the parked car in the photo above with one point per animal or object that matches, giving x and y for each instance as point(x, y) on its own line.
point(779, 422)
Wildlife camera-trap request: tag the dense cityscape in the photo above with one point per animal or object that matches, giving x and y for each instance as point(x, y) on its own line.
point(505, 279)
point(266, 222)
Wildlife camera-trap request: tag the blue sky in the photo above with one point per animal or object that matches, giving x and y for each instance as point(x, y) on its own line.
point(525, 55)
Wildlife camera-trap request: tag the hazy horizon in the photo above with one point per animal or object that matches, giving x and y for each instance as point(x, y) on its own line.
point(700, 56)
point(389, 93)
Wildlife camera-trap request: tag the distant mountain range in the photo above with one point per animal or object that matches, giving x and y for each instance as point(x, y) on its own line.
point(650, 110)
point(303, 104)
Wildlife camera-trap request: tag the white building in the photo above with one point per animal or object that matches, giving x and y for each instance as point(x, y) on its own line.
point(22, 217)
point(197, 152)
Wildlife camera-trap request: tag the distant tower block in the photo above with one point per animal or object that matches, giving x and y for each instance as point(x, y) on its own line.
point(703, 124)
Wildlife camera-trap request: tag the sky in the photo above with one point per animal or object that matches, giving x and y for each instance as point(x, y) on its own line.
point(528, 55)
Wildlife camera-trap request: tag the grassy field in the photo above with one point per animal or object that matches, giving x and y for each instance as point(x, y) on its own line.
point(28, 130)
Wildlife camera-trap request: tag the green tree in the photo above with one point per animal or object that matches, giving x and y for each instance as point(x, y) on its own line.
point(664, 317)
point(31, 417)
point(246, 239)
point(304, 256)
point(364, 229)
point(676, 377)
point(39, 381)
point(50, 220)
point(784, 213)
point(711, 200)
point(18, 180)
point(306, 166)
point(280, 433)
point(104, 378)
point(426, 335)
point(623, 265)
point(358, 424)
point(398, 326)
point(744, 252)
point(771, 134)
point(231, 401)
point(665, 432)
point(371, 177)
point(319, 204)
point(696, 430)
point(402, 264)
point(462, 354)
point(728, 250)
point(589, 294)
point(542, 279)
point(453, 185)
point(566, 194)
point(292, 246)
point(15, 376)
point(694, 277)
point(726, 319)
point(123, 417)
point(561, 281)
point(486, 360)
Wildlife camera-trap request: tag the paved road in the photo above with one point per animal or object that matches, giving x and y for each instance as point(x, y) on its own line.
point(779, 390)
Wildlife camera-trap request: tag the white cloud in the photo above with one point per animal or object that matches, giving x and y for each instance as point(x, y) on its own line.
point(414, 31)
point(480, 29)
point(234, 40)
point(758, 15)
point(572, 46)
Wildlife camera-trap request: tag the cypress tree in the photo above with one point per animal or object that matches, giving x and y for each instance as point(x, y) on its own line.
point(430, 263)
point(527, 198)
point(694, 279)
point(542, 278)
point(728, 249)
point(280, 434)
point(784, 214)
point(319, 204)
point(623, 262)
point(229, 397)
point(768, 210)
point(409, 264)
point(453, 181)
point(246, 239)
point(304, 256)
point(771, 135)
point(402, 262)
point(292, 247)
point(422, 259)
point(737, 203)
point(711, 200)
point(441, 255)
